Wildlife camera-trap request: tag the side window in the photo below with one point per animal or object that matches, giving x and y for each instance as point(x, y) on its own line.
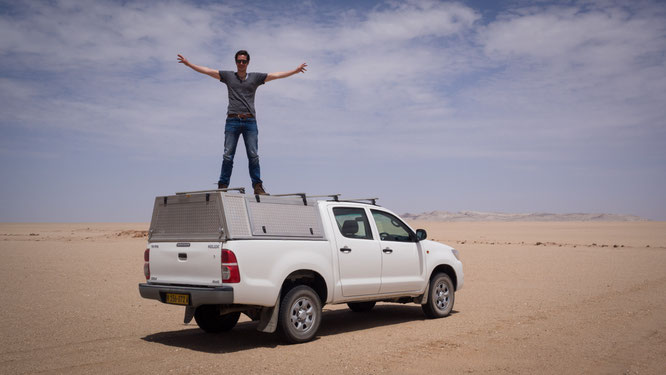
point(390, 228)
point(352, 222)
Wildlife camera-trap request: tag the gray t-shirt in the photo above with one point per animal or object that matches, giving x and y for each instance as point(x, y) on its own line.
point(241, 92)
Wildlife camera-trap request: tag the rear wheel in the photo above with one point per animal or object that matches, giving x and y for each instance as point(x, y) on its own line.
point(361, 306)
point(440, 297)
point(300, 315)
point(209, 319)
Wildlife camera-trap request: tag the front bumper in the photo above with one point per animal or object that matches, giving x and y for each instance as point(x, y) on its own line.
point(221, 295)
point(460, 275)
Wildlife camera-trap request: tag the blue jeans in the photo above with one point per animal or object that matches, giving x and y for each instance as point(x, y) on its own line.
point(233, 129)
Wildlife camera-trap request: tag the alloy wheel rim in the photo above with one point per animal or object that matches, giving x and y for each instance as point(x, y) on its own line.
point(302, 314)
point(442, 296)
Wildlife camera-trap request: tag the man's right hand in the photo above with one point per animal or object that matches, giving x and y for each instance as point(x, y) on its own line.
point(183, 60)
point(201, 69)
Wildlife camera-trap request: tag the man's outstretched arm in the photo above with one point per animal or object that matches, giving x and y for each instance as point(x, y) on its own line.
point(201, 69)
point(278, 75)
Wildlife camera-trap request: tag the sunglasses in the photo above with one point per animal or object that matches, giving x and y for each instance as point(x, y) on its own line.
point(241, 61)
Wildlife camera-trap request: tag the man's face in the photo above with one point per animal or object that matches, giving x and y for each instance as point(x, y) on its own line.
point(241, 62)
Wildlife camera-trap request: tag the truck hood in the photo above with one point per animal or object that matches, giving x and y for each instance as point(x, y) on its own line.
point(436, 246)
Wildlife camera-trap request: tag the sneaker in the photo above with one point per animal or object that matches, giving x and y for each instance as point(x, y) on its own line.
point(259, 189)
point(222, 186)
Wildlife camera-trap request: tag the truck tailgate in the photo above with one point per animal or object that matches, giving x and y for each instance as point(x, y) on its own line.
point(185, 263)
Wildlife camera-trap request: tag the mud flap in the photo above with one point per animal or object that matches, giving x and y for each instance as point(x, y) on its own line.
point(269, 318)
point(189, 314)
point(424, 298)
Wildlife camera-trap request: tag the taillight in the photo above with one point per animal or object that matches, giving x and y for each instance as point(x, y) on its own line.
point(146, 266)
point(230, 272)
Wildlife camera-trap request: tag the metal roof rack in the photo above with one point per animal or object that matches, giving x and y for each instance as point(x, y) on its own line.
point(335, 197)
point(302, 195)
point(240, 190)
point(372, 201)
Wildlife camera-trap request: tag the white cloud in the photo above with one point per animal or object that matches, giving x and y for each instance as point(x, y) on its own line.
point(105, 35)
point(107, 63)
point(110, 68)
point(404, 23)
point(583, 69)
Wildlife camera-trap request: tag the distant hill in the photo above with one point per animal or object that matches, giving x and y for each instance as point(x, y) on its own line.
point(497, 216)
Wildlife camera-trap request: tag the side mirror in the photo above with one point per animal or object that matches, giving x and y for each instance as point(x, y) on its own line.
point(421, 234)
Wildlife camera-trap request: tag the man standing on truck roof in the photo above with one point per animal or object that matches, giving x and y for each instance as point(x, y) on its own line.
point(241, 116)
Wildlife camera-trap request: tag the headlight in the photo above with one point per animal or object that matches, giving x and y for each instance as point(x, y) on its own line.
point(456, 253)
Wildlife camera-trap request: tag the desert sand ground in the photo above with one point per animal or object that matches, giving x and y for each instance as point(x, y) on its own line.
point(571, 298)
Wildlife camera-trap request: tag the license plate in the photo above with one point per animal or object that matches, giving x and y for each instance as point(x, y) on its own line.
point(178, 299)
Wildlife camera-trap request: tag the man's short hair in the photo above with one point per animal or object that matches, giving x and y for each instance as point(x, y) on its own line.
point(242, 52)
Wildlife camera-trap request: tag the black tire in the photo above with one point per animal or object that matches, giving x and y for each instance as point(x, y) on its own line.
point(209, 319)
point(441, 296)
point(361, 306)
point(300, 315)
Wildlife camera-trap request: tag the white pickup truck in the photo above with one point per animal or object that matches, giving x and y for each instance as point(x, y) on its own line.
point(279, 259)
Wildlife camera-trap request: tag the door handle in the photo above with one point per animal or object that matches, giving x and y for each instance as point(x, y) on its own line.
point(388, 250)
point(345, 249)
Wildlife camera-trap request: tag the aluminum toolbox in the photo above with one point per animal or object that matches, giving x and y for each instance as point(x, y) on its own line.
point(221, 216)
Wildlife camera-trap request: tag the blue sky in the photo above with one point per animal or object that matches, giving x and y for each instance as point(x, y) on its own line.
point(511, 106)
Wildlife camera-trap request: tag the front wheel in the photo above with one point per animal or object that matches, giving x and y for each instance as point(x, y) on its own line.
point(441, 296)
point(209, 319)
point(300, 315)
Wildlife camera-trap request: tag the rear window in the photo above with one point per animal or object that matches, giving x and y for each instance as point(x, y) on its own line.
point(352, 222)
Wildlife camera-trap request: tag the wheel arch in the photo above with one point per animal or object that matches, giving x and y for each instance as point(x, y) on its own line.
point(308, 277)
point(447, 269)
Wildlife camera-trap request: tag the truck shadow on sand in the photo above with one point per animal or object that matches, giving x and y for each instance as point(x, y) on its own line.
point(245, 335)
